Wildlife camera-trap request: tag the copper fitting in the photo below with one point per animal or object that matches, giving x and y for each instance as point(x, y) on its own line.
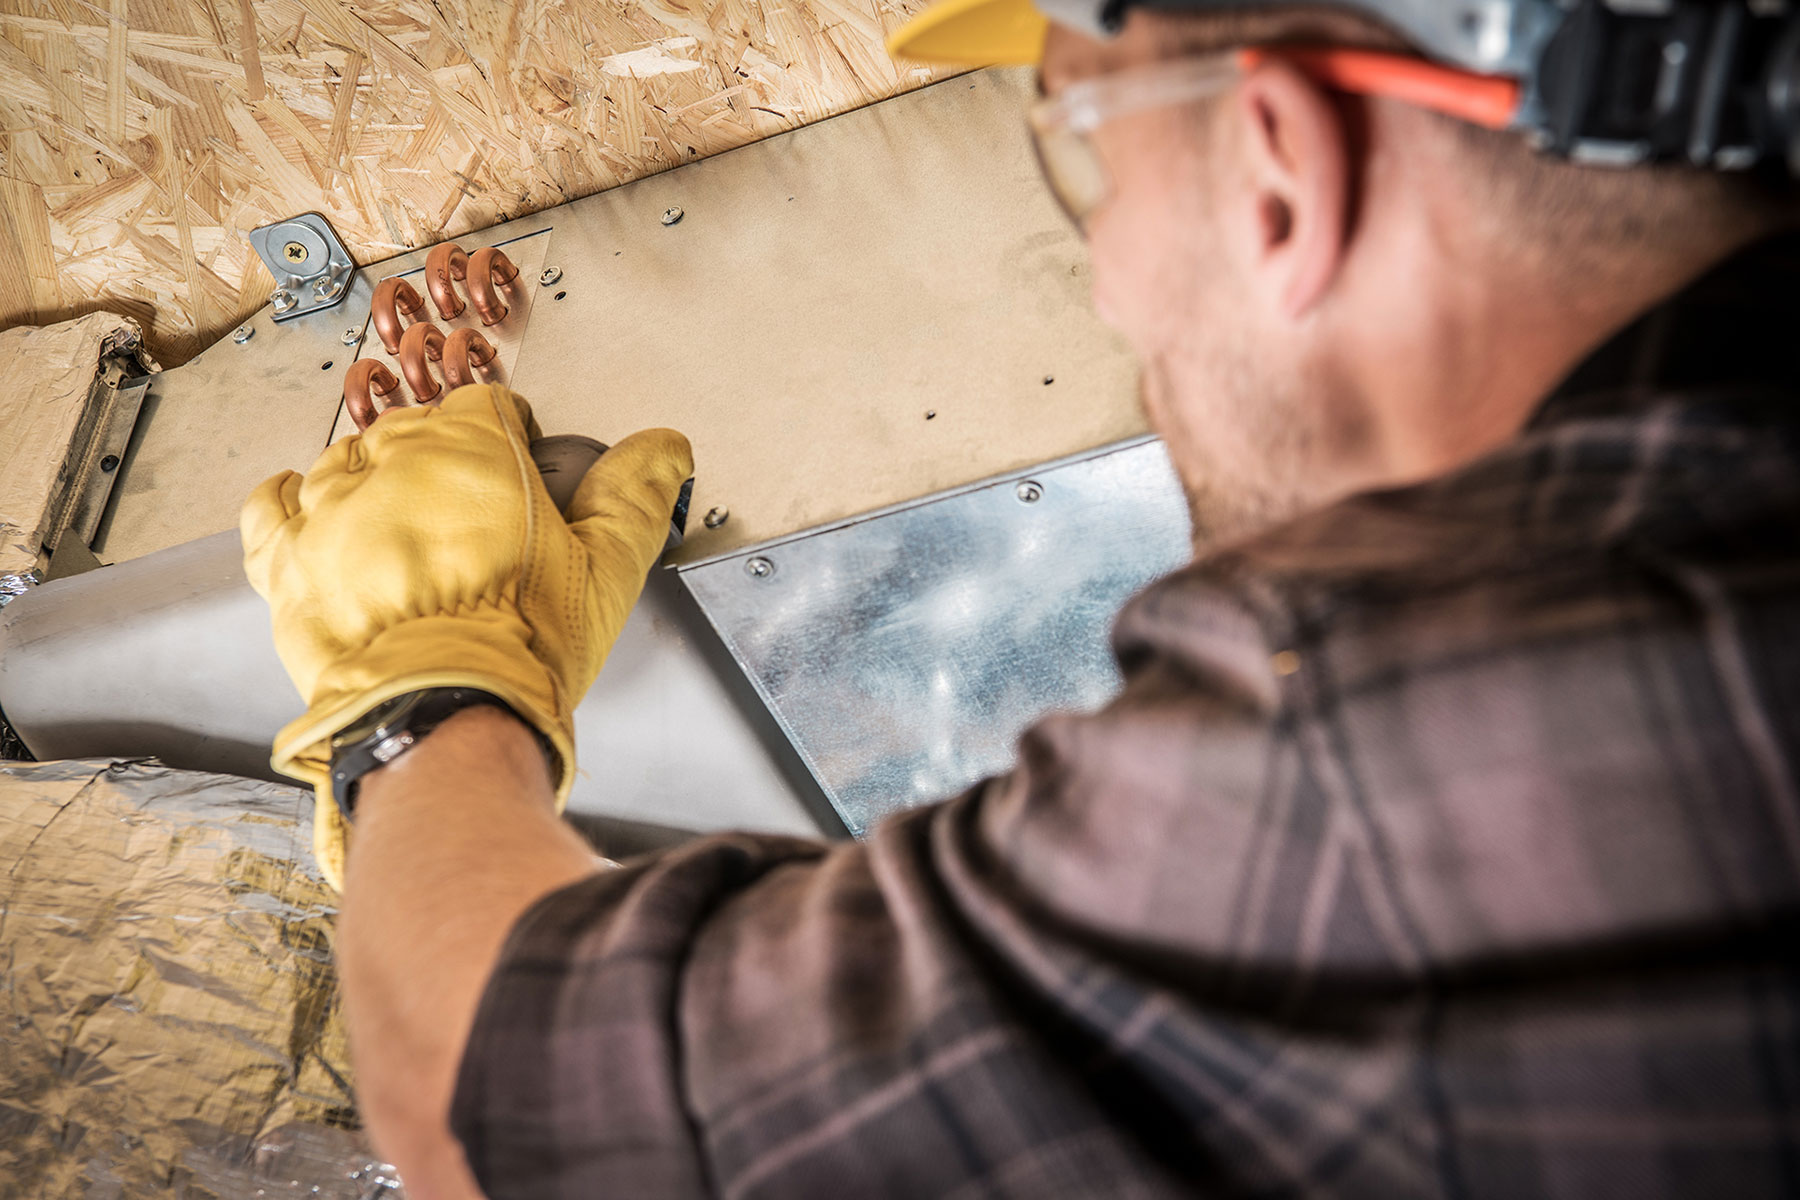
point(393, 297)
point(366, 379)
point(421, 342)
point(465, 350)
point(489, 273)
point(445, 263)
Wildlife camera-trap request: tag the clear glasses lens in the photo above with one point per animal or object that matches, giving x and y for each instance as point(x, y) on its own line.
point(1073, 169)
point(1061, 126)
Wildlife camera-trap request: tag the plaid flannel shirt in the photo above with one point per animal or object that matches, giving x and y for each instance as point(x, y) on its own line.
point(1445, 842)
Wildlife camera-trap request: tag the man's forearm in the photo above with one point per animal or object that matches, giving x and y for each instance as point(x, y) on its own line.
point(453, 842)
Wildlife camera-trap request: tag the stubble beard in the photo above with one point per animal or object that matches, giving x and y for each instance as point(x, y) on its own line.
point(1240, 444)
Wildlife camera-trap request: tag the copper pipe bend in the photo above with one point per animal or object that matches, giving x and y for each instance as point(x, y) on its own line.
point(446, 262)
point(366, 379)
point(464, 352)
point(489, 273)
point(393, 297)
point(421, 342)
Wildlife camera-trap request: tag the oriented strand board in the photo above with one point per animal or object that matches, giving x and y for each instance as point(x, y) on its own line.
point(140, 139)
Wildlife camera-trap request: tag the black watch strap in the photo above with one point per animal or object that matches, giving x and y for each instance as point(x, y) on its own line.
point(395, 726)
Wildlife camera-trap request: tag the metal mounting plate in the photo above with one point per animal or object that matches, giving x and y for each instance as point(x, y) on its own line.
point(108, 451)
point(904, 653)
point(527, 254)
point(312, 268)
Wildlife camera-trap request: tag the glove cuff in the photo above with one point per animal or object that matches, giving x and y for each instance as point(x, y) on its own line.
point(487, 649)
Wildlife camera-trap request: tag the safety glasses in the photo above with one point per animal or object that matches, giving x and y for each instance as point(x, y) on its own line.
point(1062, 126)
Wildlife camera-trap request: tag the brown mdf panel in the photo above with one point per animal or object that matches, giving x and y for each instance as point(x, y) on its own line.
point(141, 139)
point(873, 309)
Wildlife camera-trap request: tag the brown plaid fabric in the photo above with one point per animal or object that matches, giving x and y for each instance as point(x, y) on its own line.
point(1443, 843)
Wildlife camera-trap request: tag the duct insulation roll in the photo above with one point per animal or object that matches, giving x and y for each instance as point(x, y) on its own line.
point(175, 1028)
point(170, 656)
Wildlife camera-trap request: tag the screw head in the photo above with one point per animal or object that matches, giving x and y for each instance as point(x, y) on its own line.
point(549, 275)
point(329, 288)
point(716, 517)
point(242, 334)
point(283, 299)
point(351, 337)
point(294, 252)
point(1029, 492)
point(672, 215)
point(759, 567)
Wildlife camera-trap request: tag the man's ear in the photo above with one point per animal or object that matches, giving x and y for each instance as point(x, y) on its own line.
point(1297, 156)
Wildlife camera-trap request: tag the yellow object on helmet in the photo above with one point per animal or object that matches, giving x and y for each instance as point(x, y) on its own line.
point(426, 553)
point(975, 33)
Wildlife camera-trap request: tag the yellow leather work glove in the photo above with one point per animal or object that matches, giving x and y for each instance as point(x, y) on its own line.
point(426, 553)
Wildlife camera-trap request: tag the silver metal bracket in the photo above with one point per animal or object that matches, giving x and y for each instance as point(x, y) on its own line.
point(86, 479)
point(312, 268)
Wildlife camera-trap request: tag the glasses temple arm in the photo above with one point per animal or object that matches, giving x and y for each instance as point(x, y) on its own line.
point(1485, 100)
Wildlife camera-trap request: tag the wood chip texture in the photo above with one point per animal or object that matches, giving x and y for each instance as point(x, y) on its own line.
point(140, 140)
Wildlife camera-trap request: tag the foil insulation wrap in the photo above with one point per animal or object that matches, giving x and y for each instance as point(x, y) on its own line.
point(173, 1026)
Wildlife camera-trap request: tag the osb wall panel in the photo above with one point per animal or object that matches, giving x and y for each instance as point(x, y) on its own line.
point(140, 139)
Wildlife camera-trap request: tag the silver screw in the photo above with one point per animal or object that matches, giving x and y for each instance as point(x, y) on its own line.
point(1029, 492)
point(716, 517)
point(329, 288)
point(243, 334)
point(283, 300)
point(759, 568)
point(549, 275)
point(351, 337)
point(672, 215)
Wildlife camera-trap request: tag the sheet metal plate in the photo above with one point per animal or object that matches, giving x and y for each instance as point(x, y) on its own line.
point(215, 427)
point(904, 654)
point(527, 253)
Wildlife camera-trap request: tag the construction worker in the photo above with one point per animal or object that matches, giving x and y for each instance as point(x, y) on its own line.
point(1445, 838)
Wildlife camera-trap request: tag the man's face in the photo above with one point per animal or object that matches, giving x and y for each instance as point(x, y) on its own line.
point(1222, 388)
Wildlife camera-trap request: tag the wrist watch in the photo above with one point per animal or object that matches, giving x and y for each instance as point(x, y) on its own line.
point(395, 726)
